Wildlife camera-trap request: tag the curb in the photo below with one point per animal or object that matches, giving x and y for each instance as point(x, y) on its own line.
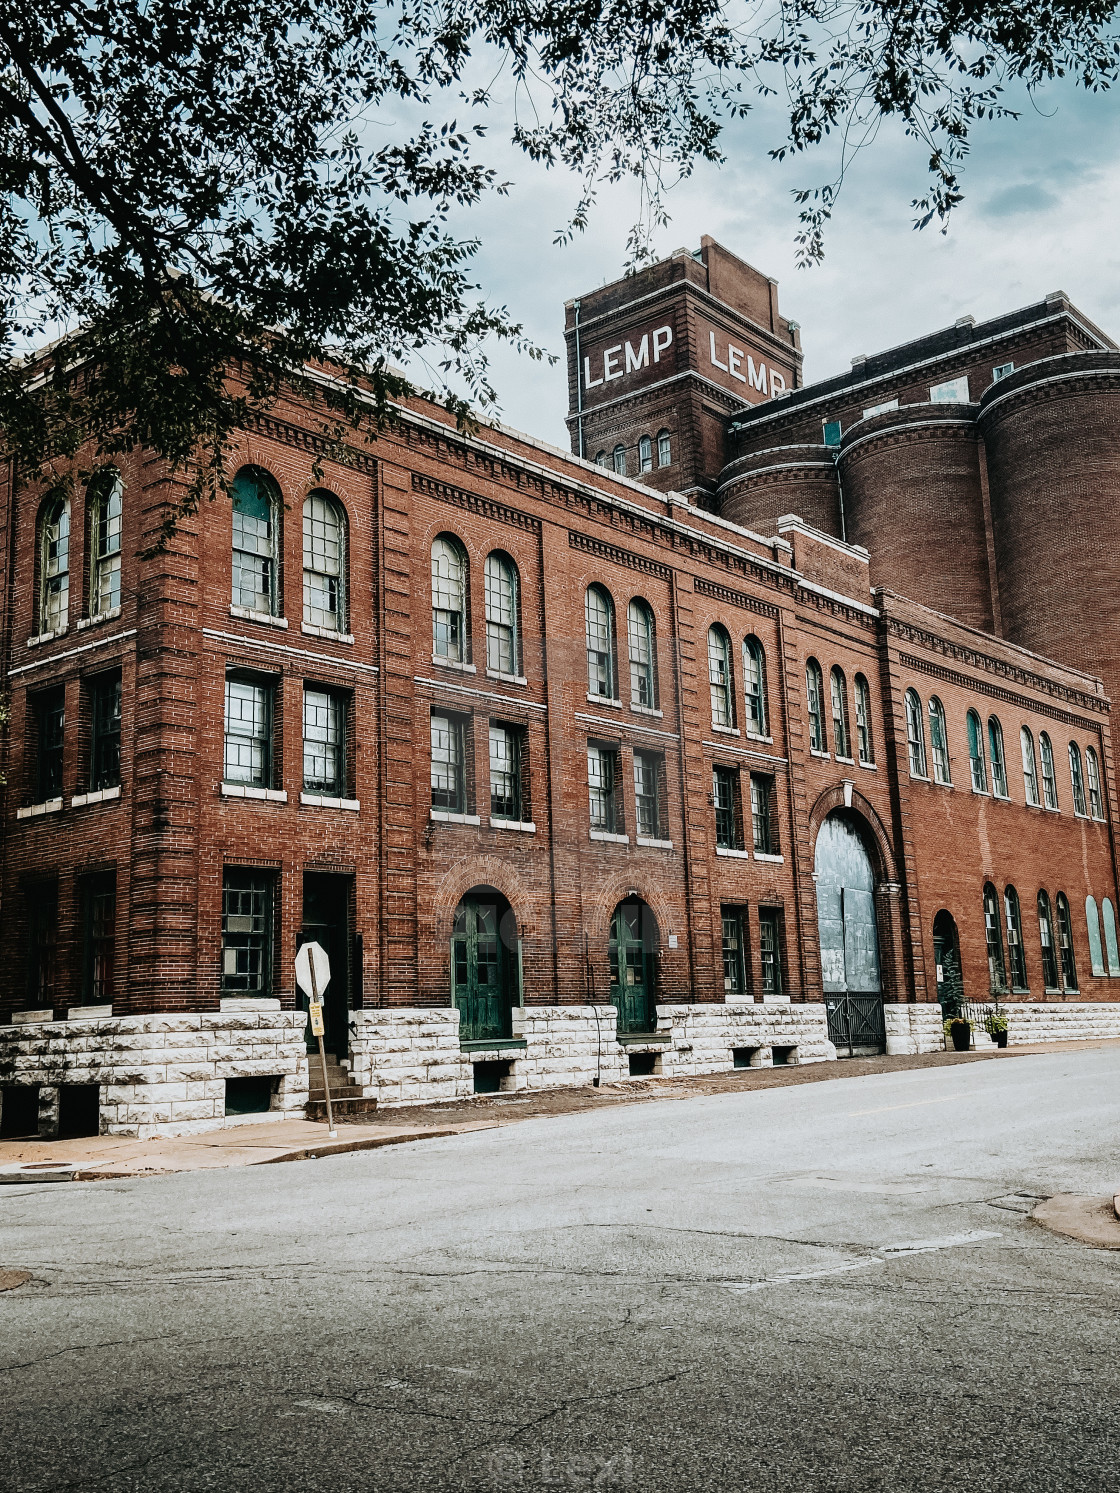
point(1116, 1205)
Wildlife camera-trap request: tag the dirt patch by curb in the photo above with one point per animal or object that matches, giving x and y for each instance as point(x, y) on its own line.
point(11, 1280)
point(1090, 1221)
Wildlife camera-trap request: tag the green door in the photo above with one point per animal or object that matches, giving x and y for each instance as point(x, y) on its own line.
point(326, 921)
point(632, 966)
point(480, 970)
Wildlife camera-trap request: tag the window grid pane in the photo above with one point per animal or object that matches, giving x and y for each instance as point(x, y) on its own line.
point(501, 617)
point(448, 598)
point(768, 942)
point(248, 732)
point(939, 744)
point(639, 625)
point(723, 797)
point(915, 735)
point(754, 670)
point(976, 764)
point(323, 562)
point(719, 676)
point(1093, 772)
point(600, 788)
point(1065, 944)
point(1015, 951)
point(105, 526)
point(1078, 782)
point(1046, 935)
point(505, 773)
point(814, 691)
point(997, 975)
point(664, 449)
point(839, 714)
point(55, 593)
point(760, 813)
point(600, 651)
point(864, 738)
point(1049, 777)
point(647, 808)
point(50, 710)
point(324, 743)
point(100, 943)
point(1030, 771)
point(254, 545)
point(999, 765)
point(246, 934)
point(105, 746)
point(734, 964)
point(447, 765)
point(645, 454)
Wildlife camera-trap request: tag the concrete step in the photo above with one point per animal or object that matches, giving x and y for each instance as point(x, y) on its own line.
point(338, 1091)
point(317, 1108)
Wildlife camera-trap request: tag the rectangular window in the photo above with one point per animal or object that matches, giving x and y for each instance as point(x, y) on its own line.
point(1003, 370)
point(647, 794)
point(505, 772)
point(249, 715)
point(247, 933)
point(324, 742)
point(42, 944)
point(50, 721)
point(105, 732)
point(449, 793)
point(99, 918)
point(725, 797)
point(734, 951)
point(832, 432)
point(602, 796)
point(952, 391)
point(770, 947)
point(762, 820)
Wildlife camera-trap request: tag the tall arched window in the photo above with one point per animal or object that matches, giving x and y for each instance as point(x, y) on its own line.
point(814, 704)
point(645, 454)
point(599, 616)
point(104, 504)
point(1093, 773)
point(54, 564)
point(602, 459)
point(997, 757)
point(915, 734)
point(976, 763)
point(1049, 777)
point(754, 686)
point(1076, 778)
point(865, 741)
point(719, 676)
point(503, 655)
point(643, 655)
point(1030, 771)
point(838, 689)
point(324, 562)
point(997, 973)
point(1049, 949)
point(664, 449)
point(939, 741)
point(449, 599)
point(1016, 956)
point(1111, 949)
point(1065, 943)
point(256, 527)
point(620, 460)
point(1093, 928)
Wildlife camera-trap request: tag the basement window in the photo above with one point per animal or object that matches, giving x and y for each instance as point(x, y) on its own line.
point(644, 1064)
point(252, 1095)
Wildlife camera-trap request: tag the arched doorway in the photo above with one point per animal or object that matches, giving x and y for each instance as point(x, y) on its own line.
point(849, 937)
point(633, 954)
point(485, 965)
point(947, 962)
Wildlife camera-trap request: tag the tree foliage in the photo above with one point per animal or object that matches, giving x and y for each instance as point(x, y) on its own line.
point(192, 185)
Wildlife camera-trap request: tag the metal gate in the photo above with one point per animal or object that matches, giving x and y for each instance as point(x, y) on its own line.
point(855, 1024)
point(849, 938)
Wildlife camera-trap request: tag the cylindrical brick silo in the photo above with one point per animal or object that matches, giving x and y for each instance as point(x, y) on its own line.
point(757, 489)
point(1052, 434)
point(912, 494)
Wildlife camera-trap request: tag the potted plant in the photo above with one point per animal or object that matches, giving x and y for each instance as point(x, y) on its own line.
point(995, 1024)
point(959, 1031)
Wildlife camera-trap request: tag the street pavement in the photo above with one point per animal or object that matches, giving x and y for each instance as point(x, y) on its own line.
point(834, 1286)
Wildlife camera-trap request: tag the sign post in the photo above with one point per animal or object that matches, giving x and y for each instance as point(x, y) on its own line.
point(313, 974)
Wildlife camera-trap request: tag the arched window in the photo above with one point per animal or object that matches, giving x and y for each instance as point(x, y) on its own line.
point(602, 459)
point(976, 763)
point(1030, 771)
point(1049, 777)
point(997, 973)
point(664, 449)
point(1093, 773)
point(838, 688)
point(1016, 956)
point(645, 454)
point(865, 741)
point(324, 562)
point(1065, 943)
point(620, 460)
point(915, 734)
point(939, 741)
point(1076, 778)
point(502, 630)
point(719, 676)
point(1093, 928)
point(997, 757)
point(256, 525)
point(599, 615)
point(1049, 950)
point(643, 655)
point(814, 703)
point(104, 503)
point(449, 599)
point(1110, 946)
point(54, 564)
point(754, 685)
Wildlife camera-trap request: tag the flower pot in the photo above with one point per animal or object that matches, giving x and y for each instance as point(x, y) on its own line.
point(962, 1036)
point(1001, 1039)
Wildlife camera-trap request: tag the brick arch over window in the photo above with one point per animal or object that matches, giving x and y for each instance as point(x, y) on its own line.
point(600, 903)
point(480, 870)
point(878, 841)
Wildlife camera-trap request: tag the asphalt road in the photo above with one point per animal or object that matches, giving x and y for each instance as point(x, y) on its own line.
point(834, 1286)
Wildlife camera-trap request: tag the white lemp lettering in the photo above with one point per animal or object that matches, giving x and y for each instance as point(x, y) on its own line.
point(610, 360)
point(734, 363)
point(661, 340)
point(588, 381)
point(777, 384)
point(639, 359)
point(756, 376)
point(715, 361)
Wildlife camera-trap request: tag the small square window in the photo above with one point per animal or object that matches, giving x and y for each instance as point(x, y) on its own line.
point(1003, 370)
point(832, 432)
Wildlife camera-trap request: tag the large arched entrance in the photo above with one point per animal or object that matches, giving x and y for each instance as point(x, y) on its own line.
point(947, 963)
point(849, 936)
point(633, 953)
point(485, 978)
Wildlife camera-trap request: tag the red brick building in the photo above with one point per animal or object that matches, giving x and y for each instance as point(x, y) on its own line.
point(575, 772)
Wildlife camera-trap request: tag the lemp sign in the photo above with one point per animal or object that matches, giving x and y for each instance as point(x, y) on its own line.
point(625, 358)
point(614, 365)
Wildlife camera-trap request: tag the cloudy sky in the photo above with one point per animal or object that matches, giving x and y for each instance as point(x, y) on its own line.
point(1042, 213)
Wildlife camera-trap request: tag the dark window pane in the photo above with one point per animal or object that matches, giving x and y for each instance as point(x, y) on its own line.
point(105, 745)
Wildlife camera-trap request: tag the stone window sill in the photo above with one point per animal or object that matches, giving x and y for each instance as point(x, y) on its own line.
point(495, 1044)
point(249, 1003)
point(89, 1013)
point(28, 1018)
point(726, 730)
point(110, 616)
point(754, 736)
point(848, 761)
point(33, 811)
point(920, 777)
point(609, 837)
point(869, 766)
point(244, 790)
point(247, 614)
point(443, 816)
point(523, 826)
point(764, 855)
point(96, 796)
point(46, 637)
point(506, 678)
point(326, 801)
point(820, 756)
point(453, 663)
point(735, 855)
point(652, 844)
point(311, 630)
point(647, 710)
point(604, 700)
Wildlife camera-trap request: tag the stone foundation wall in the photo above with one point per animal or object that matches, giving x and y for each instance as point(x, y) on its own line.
point(704, 1038)
point(914, 1028)
point(1059, 1021)
point(405, 1055)
point(159, 1075)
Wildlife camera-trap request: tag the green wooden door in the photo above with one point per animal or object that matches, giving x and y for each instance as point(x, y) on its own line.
point(480, 970)
point(632, 966)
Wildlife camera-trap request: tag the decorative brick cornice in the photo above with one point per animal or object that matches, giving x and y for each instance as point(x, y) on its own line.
point(733, 598)
point(616, 556)
point(306, 440)
point(474, 503)
point(977, 661)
